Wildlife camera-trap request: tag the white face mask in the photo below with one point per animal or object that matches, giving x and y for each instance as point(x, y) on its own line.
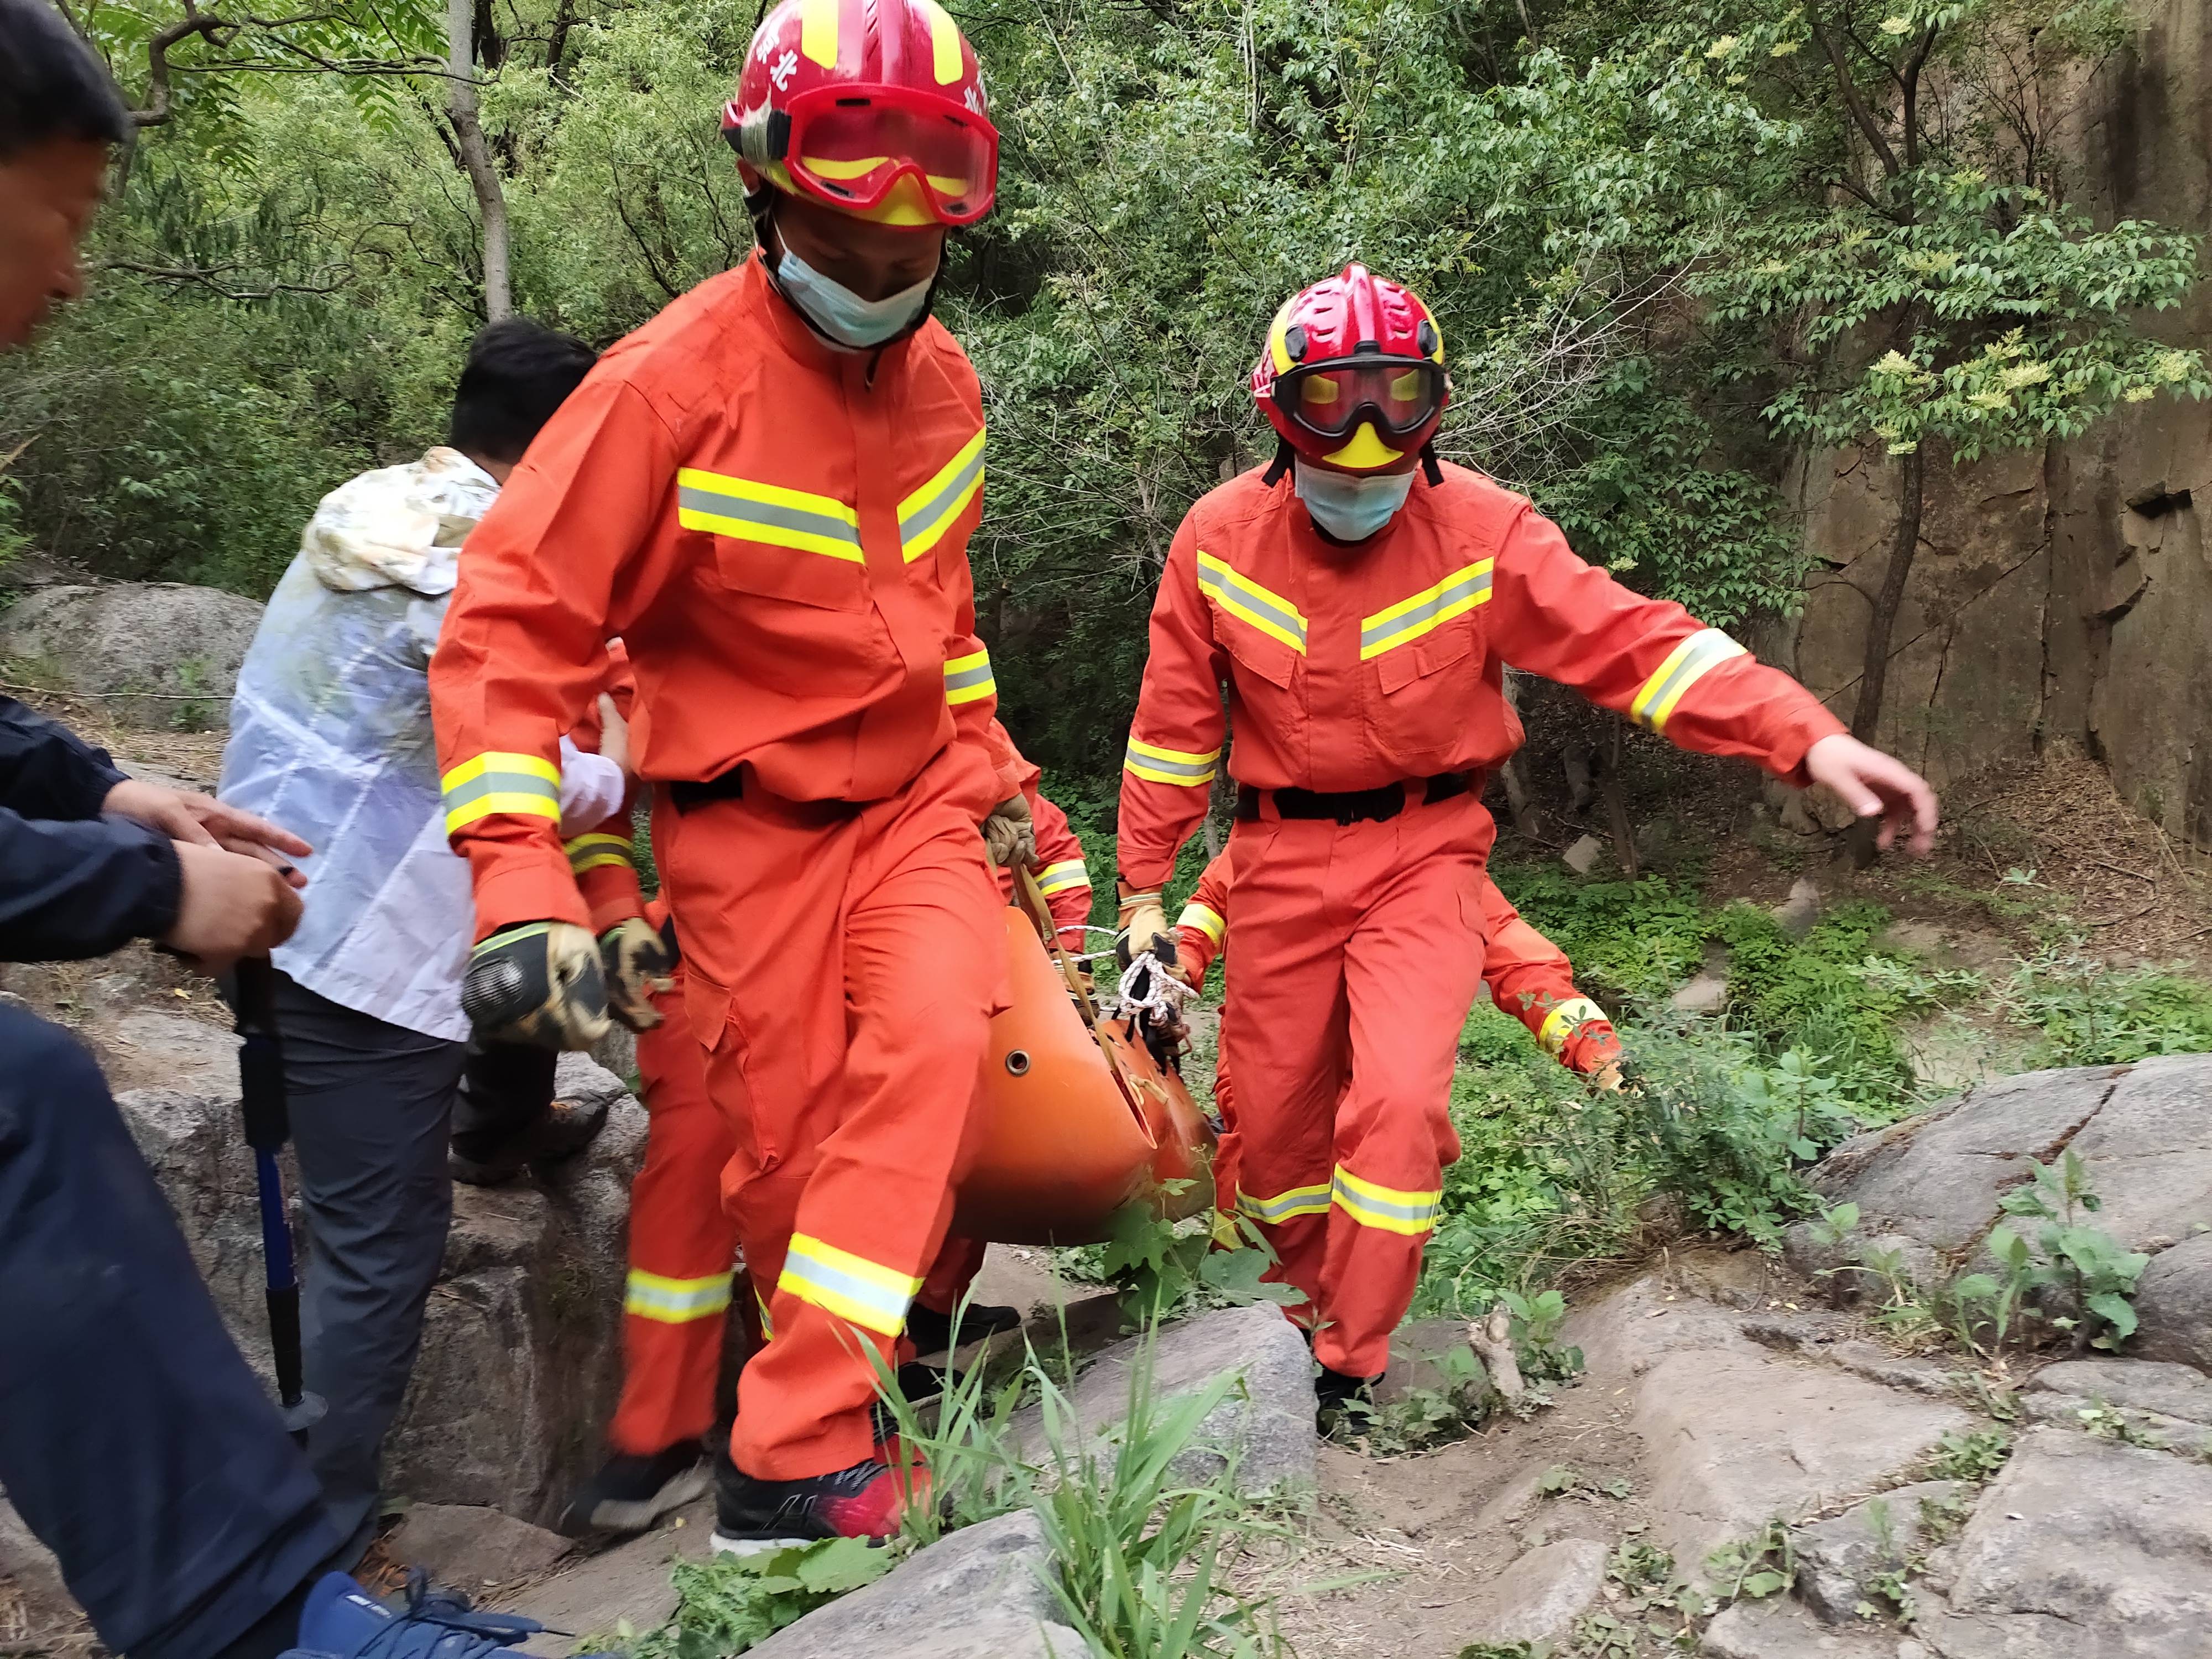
point(1351, 508)
point(843, 315)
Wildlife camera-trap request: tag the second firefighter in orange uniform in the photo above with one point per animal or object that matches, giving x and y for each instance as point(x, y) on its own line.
point(1359, 613)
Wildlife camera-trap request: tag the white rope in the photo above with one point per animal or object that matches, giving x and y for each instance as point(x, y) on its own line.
point(1163, 998)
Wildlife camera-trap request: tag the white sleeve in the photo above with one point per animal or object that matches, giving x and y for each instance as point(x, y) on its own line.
point(592, 790)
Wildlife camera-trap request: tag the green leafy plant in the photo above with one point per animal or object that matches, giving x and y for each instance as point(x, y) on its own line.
point(1752, 1568)
point(1537, 1322)
point(1564, 1481)
point(1972, 1455)
point(1421, 1418)
point(728, 1604)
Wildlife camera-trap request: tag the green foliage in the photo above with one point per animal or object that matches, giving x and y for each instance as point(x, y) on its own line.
point(1637, 939)
point(2091, 1014)
point(1972, 1455)
point(1165, 1268)
point(1754, 1568)
point(1421, 1418)
point(729, 1604)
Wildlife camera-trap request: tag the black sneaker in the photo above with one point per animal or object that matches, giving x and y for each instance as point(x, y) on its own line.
point(565, 1130)
point(866, 1501)
point(1334, 1390)
point(629, 1492)
point(930, 1331)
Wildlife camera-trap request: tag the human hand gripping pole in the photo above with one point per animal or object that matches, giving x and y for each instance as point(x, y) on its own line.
point(537, 983)
point(639, 961)
point(268, 1126)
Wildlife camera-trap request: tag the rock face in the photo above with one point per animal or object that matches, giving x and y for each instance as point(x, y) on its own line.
point(1931, 1186)
point(1540, 1596)
point(1838, 1558)
point(1736, 1434)
point(2084, 1548)
point(2043, 603)
point(1267, 1421)
point(159, 654)
point(981, 1594)
point(519, 1359)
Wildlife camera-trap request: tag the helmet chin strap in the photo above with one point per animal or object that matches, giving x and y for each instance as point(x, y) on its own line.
point(1281, 465)
point(1432, 468)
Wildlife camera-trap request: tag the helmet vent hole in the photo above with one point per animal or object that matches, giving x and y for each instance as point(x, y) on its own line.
point(1017, 1062)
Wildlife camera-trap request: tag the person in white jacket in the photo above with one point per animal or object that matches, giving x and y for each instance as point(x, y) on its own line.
point(330, 731)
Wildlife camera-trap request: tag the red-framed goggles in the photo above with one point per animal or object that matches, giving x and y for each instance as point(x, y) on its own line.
point(849, 146)
point(1399, 394)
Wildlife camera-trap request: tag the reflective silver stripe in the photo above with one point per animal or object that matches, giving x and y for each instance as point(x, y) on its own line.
point(1385, 1207)
point(1299, 1201)
point(967, 678)
point(1169, 765)
point(922, 517)
point(1458, 594)
point(851, 1286)
point(1245, 599)
point(1688, 664)
point(675, 1301)
point(1064, 876)
point(783, 523)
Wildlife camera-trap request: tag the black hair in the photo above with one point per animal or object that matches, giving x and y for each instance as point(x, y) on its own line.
point(52, 85)
point(518, 374)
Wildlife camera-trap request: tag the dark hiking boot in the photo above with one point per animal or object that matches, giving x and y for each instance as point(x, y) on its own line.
point(630, 1492)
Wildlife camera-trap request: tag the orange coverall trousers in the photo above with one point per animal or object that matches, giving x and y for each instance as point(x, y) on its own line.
point(1372, 937)
point(682, 1240)
point(842, 962)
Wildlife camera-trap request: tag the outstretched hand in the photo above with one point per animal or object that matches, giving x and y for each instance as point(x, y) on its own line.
point(199, 820)
point(1873, 784)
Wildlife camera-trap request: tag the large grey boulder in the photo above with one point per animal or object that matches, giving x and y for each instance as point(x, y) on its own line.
point(1736, 1434)
point(981, 1594)
point(2083, 1548)
point(1267, 1421)
point(1931, 1186)
point(1777, 1628)
point(2180, 1395)
point(162, 654)
point(521, 1351)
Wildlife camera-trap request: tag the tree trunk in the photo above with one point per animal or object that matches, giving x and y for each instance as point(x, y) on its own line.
point(475, 156)
point(1873, 669)
point(1616, 804)
point(1873, 672)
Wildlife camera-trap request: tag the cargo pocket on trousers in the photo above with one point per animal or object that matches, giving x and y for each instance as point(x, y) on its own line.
point(711, 1011)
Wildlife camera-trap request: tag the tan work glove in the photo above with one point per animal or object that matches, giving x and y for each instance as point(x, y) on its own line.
point(538, 983)
point(637, 959)
point(1010, 835)
point(1142, 926)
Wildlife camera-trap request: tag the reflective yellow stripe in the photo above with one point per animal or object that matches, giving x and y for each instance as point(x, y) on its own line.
point(1426, 610)
point(596, 850)
point(968, 678)
point(676, 1300)
point(851, 1286)
point(1687, 664)
point(944, 43)
point(818, 31)
point(1251, 603)
point(1061, 877)
point(1283, 1206)
point(1558, 1026)
point(1202, 919)
point(755, 512)
point(525, 786)
point(1384, 1208)
point(1169, 765)
point(768, 1320)
point(926, 515)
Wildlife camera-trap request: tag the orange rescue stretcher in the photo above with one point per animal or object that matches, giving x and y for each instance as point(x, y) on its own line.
point(1078, 1117)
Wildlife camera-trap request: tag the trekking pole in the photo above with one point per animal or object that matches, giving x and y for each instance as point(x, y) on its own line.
point(268, 1126)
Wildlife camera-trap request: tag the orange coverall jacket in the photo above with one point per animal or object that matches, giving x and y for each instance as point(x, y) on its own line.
point(1353, 667)
point(785, 560)
point(1528, 977)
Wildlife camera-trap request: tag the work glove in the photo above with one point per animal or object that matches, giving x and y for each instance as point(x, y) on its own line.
point(637, 958)
point(537, 983)
point(1595, 1051)
point(1010, 835)
point(1142, 926)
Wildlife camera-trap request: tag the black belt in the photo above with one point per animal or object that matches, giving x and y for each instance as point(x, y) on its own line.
point(740, 782)
point(1353, 805)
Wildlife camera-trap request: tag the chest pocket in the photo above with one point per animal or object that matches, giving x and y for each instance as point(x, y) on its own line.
point(777, 543)
point(1426, 665)
point(1273, 635)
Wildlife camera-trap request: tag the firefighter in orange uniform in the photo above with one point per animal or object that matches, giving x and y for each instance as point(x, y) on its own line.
point(1357, 599)
point(766, 492)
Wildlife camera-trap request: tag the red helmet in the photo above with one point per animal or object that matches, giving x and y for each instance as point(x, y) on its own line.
point(873, 106)
point(1352, 373)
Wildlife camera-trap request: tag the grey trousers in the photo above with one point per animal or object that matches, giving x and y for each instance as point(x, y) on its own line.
point(371, 1105)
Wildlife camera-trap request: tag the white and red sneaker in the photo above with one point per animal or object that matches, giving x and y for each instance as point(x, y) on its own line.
point(865, 1501)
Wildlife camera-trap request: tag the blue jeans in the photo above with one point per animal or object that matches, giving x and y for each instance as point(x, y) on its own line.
point(134, 1440)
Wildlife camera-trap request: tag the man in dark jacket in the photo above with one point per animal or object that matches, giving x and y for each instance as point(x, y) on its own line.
point(134, 1439)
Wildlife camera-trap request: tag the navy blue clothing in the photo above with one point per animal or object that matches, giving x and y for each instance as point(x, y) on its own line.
point(134, 1439)
point(72, 884)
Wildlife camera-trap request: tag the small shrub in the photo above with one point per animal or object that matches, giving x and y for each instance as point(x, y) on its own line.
point(1973, 1457)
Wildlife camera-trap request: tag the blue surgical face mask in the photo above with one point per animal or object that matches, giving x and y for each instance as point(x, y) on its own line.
point(1351, 508)
point(843, 315)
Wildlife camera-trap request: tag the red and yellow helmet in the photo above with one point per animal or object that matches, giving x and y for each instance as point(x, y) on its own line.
point(1352, 374)
point(872, 106)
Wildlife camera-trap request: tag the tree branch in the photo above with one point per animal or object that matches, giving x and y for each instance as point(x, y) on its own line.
point(1849, 90)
